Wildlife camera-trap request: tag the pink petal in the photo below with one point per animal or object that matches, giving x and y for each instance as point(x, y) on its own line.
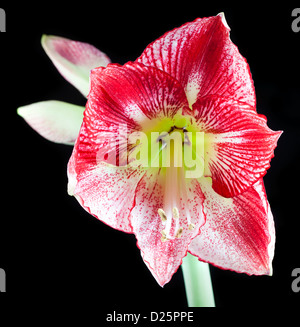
point(239, 232)
point(240, 144)
point(74, 60)
point(163, 258)
point(202, 57)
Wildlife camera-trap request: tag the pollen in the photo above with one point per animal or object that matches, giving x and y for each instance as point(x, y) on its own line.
point(163, 233)
point(162, 215)
point(175, 213)
point(191, 226)
point(164, 237)
point(179, 232)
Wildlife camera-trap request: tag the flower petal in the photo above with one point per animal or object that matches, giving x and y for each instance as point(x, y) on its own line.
point(55, 120)
point(121, 98)
point(239, 232)
point(163, 257)
point(106, 192)
point(201, 56)
point(239, 143)
point(125, 99)
point(133, 93)
point(74, 60)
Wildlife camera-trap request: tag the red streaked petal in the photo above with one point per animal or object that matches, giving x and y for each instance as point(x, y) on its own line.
point(74, 59)
point(120, 97)
point(133, 93)
point(163, 258)
point(122, 100)
point(201, 56)
point(106, 192)
point(239, 143)
point(239, 232)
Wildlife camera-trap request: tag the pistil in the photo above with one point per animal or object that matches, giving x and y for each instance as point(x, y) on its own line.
point(175, 193)
point(171, 215)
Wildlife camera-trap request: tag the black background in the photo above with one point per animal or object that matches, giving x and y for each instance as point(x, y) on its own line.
point(51, 249)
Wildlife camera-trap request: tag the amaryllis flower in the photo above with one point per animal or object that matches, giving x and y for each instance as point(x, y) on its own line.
point(59, 121)
point(193, 82)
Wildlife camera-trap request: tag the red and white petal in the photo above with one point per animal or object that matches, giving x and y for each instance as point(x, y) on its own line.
point(133, 94)
point(54, 120)
point(104, 190)
point(125, 99)
point(239, 144)
point(107, 192)
point(120, 99)
point(201, 56)
point(74, 59)
point(239, 232)
point(163, 257)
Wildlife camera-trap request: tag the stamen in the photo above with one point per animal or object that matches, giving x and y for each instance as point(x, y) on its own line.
point(163, 233)
point(164, 237)
point(175, 213)
point(176, 194)
point(179, 232)
point(191, 226)
point(162, 215)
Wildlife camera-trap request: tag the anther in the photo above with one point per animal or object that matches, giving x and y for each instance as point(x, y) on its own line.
point(164, 236)
point(162, 215)
point(163, 233)
point(179, 232)
point(191, 226)
point(175, 213)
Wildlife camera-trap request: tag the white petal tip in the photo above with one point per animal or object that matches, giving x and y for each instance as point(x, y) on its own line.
point(71, 185)
point(45, 40)
point(270, 272)
point(222, 15)
point(70, 189)
point(20, 111)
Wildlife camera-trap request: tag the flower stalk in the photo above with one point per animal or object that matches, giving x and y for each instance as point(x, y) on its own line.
point(197, 281)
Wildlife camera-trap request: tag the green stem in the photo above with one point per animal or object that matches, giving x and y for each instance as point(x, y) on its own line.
point(197, 282)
